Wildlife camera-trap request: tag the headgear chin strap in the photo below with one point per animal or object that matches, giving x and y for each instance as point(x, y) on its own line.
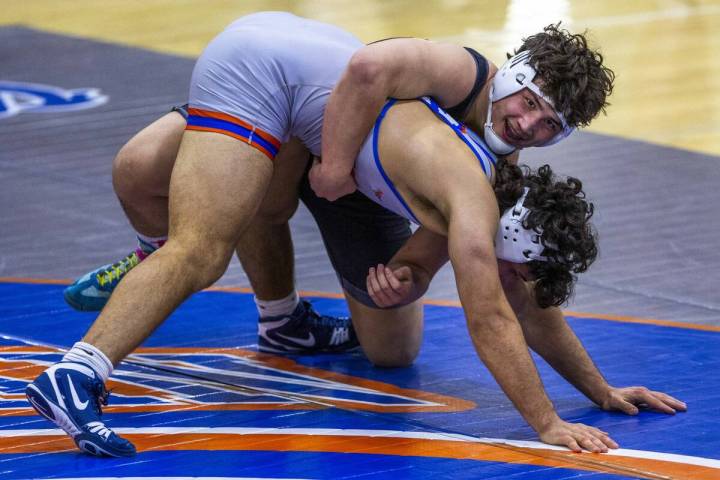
point(516, 74)
point(513, 241)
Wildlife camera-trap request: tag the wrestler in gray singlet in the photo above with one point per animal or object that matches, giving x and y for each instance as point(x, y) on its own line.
point(268, 77)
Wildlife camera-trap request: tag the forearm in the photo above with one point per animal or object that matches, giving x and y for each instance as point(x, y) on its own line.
point(424, 254)
point(499, 341)
point(553, 339)
point(420, 280)
point(349, 116)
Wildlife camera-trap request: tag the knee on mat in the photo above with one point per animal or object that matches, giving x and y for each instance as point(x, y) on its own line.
point(396, 356)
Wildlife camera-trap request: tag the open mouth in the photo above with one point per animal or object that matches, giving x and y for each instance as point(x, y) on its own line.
point(509, 135)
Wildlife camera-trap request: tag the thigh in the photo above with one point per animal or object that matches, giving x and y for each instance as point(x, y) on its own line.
point(216, 187)
point(147, 159)
point(281, 199)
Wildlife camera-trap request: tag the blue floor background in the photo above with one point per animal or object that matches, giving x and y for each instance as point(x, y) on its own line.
point(680, 361)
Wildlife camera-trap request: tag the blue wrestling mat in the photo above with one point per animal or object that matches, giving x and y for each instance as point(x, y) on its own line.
point(199, 401)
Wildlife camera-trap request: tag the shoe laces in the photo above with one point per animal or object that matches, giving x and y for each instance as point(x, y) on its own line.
point(99, 428)
point(100, 396)
point(317, 320)
point(117, 270)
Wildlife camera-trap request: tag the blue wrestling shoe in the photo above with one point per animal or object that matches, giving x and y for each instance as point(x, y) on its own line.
point(306, 331)
point(69, 395)
point(91, 292)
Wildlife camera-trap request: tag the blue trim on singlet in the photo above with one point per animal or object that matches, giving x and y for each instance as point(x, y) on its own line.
point(458, 129)
point(376, 155)
point(449, 121)
point(239, 130)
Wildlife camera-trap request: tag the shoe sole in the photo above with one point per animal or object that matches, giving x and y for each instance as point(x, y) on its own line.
point(57, 415)
point(49, 410)
point(264, 349)
point(300, 351)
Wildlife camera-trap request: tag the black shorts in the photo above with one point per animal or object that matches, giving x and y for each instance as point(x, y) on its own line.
point(357, 233)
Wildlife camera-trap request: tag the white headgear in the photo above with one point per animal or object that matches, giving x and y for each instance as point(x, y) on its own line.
point(513, 76)
point(513, 241)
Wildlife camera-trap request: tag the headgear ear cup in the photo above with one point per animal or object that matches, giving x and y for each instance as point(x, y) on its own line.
point(514, 242)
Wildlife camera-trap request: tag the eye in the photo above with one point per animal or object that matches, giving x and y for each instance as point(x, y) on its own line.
point(552, 125)
point(530, 102)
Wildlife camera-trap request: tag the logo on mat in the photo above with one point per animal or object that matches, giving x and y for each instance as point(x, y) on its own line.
point(165, 379)
point(18, 97)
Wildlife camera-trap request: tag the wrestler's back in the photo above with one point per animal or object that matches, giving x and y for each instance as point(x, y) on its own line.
point(415, 150)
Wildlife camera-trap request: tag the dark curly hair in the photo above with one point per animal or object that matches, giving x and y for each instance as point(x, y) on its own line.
point(572, 74)
point(560, 210)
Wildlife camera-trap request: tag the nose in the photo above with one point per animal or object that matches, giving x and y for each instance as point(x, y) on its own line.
point(529, 122)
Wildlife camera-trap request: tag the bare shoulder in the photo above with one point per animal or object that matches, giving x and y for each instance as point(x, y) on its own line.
point(419, 67)
point(426, 159)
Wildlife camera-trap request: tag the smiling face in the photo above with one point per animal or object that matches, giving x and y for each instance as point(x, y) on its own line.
point(525, 120)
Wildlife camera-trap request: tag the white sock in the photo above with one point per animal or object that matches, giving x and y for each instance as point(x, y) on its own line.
point(89, 355)
point(274, 308)
point(150, 244)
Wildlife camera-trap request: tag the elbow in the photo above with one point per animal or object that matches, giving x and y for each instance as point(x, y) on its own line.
point(366, 70)
point(473, 255)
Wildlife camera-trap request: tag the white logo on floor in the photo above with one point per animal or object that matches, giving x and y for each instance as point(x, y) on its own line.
point(19, 97)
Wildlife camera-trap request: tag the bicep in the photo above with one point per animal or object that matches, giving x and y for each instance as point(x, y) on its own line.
point(411, 68)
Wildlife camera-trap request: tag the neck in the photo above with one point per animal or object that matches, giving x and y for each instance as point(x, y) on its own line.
point(477, 113)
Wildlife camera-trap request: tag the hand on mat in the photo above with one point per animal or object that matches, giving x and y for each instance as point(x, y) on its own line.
point(390, 288)
point(630, 399)
point(577, 436)
point(328, 183)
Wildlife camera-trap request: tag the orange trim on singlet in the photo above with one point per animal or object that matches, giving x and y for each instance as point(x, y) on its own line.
point(255, 145)
point(229, 118)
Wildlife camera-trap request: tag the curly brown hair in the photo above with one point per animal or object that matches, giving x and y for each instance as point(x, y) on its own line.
point(559, 209)
point(572, 74)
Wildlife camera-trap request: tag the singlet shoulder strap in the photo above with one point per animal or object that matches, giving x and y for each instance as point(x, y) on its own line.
point(458, 111)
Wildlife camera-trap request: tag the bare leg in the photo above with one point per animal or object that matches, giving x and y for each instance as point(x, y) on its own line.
point(141, 174)
point(216, 186)
point(389, 337)
point(265, 249)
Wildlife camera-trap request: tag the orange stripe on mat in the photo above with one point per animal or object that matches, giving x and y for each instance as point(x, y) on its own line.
point(639, 468)
point(441, 303)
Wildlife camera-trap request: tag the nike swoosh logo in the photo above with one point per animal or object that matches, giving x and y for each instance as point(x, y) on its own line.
point(305, 342)
point(76, 400)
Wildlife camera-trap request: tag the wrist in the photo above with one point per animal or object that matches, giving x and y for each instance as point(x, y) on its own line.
point(544, 422)
point(603, 397)
point(338, 170)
